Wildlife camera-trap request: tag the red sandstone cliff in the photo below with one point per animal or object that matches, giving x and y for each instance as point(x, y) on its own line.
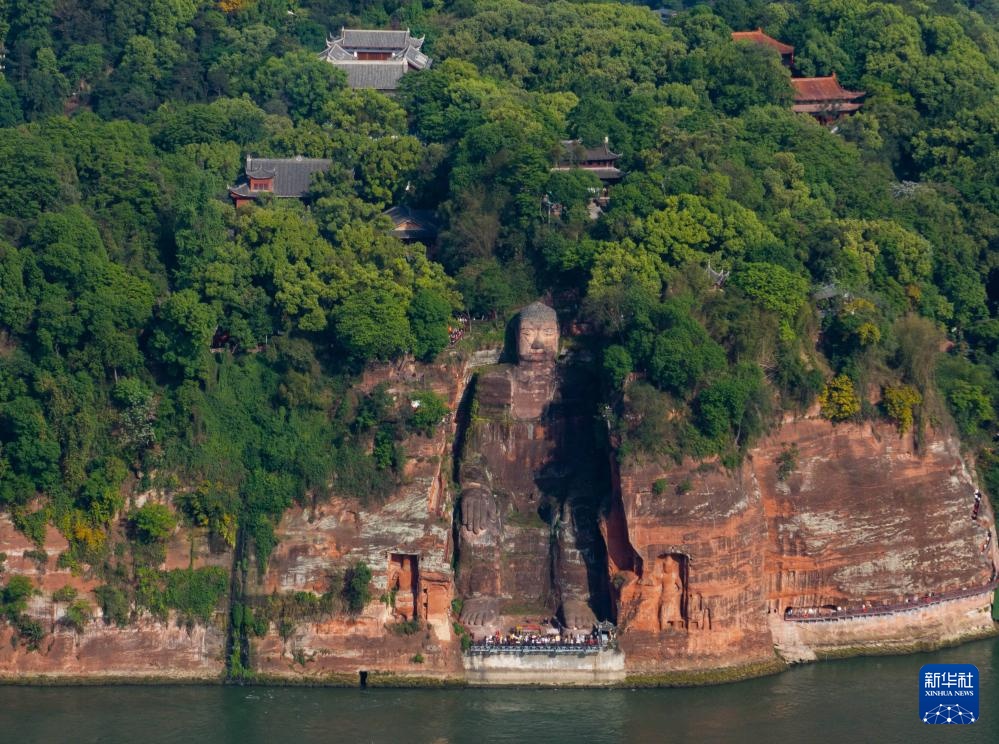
point(861, 519)
point(406, 541)
point(148, 648)
point(703, 561)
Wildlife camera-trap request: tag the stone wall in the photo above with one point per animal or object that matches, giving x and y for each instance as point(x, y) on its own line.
point(925, 627)
point(590, 670)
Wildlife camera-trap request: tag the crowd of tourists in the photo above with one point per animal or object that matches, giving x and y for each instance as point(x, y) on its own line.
point(543, 639)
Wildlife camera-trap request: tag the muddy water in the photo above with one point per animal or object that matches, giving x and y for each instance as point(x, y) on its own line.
point(859, 700)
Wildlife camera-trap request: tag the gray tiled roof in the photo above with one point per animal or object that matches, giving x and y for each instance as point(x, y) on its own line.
point(575, 151)
point(335, 52)
point(423, 217)
point(377, 75)
point(364, 39)
point(416, 58)
point(604, 173)
point(399, 44)
point(292, 176)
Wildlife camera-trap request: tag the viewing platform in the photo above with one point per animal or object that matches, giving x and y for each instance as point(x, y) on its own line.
point(574, 649)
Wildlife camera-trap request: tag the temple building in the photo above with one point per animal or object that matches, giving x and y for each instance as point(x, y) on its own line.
point(786, 51)
point(284, 178)
point(412, 225)
point(824, 98)
point(598, 160)
point(375, 59)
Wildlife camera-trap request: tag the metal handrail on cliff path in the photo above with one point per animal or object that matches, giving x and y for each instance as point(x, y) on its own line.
point(893, 609)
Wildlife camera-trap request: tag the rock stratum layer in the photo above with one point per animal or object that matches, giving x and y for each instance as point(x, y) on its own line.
point(703, 564)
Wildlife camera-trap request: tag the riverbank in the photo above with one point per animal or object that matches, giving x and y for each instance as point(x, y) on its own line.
point(394, 680)
point(808, 702)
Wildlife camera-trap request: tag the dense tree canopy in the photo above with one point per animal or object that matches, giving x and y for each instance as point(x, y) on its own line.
point(751, 260)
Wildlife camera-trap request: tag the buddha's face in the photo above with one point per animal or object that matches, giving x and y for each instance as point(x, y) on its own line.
point(537, 341)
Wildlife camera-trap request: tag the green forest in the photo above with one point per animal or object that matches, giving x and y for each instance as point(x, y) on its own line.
point(752, 261)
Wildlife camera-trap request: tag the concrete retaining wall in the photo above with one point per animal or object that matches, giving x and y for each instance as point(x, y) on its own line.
point(584, 670)
point(930, 626)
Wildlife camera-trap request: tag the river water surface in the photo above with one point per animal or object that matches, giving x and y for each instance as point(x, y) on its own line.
point(858, 700)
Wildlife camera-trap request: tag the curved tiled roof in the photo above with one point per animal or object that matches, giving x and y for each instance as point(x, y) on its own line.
point(378, 75)
point(371, 40)
point(808, 89)
point(759, 37)
point(292, 176)
point(574, 150)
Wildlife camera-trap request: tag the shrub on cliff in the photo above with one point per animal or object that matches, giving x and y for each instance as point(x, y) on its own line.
point(153, 523)
point(428, 410)
point(899, 402)
point(114, 604)
point(13, 602)
point(839, 401)
point(357, 589)
point(77, 615)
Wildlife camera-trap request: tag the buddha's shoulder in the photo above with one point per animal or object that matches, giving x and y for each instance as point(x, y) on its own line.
point(495, 385)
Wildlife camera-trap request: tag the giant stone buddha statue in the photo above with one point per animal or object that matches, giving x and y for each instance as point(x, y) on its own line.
point(527, 531)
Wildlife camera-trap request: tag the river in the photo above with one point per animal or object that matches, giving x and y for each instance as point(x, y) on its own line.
point(858, 700)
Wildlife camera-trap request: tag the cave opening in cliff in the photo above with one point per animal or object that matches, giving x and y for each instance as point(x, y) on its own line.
point(403, 584)
point(362, 679)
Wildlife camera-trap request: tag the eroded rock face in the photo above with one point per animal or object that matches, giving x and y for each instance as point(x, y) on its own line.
point(406, 541)
point(863, 517)
point(687, 558)
point(704, 560)
point(148, 648)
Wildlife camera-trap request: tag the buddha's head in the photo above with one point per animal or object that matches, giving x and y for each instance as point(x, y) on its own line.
point(537, 334)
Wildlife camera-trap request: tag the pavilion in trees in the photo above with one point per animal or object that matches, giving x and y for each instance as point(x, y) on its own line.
point(284, 178)
point(411, 225)
point(824, 98)
point(821, 97)
point(599, 161)
point(786, 51)
point(375, 59)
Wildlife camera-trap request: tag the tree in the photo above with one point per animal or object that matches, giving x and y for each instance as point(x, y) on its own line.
point(429, 314)
point(29, 172)
point(774, 288)
point(357, 586)
point(740, 76)
point(428, 410)
point(299, 83)
point(371, 324)
point(898, 402)
point(184, 332)
point(10, 105)
point(617, 366)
